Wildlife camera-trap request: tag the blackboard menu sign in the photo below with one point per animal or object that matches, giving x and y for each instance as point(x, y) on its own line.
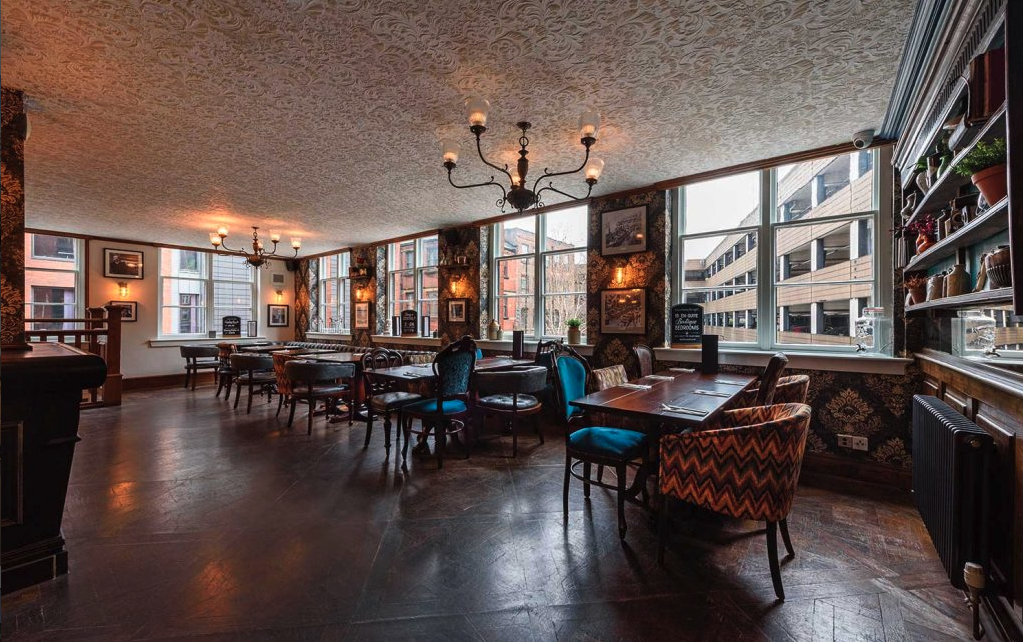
point(409, 323)
point(231, 326)
point(686, 325)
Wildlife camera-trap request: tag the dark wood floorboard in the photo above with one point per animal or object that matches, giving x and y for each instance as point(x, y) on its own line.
point(188, 520)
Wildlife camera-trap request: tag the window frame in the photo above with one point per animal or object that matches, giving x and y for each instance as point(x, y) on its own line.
point(539, 256)
point(766, 227)
point(417, 271)
point(78, 263)
point(208, 290)
point(342, 280)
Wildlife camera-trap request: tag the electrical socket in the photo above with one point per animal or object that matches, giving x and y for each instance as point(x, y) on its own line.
point(859, 443)
point(845, 441)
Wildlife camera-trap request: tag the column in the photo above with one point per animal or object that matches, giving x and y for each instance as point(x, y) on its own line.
point(817, 255)
point(817, 317)
point(784, 267)
point(784, 322)
point(856, 305)
point(859, 239)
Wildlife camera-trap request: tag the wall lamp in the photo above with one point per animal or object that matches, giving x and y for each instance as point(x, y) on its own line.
point(122, 289)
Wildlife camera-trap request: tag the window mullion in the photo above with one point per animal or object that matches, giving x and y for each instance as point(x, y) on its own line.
point(539, 274)
point(766, 317)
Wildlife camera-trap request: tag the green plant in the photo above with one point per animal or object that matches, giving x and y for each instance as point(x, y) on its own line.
point(574, 323)
point(981, 157)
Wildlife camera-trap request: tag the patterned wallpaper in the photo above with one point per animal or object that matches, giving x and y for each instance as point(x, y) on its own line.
point(365, 255)
point(12, 234)
point(304, 298)
point(459, 242)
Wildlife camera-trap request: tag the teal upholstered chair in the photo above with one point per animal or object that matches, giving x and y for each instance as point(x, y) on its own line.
point(616, 448)
point(447, 411)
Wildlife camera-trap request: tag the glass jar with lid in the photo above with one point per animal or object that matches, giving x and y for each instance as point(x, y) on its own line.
point(872, 330)
point(973, 332)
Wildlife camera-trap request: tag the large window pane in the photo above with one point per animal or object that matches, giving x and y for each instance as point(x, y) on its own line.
point(51, 280)
point(839, 251)
point(516, 313)
point(517, 236)
point(184, 306)
point(820, 314)
point(722, 203)
point(825, 187)
point(402, 291)
point(189, 263)
point(565, 229)
point(559, 308)
point(428, 251)
point(564, 273)
point(720, 260)
point(515, 276)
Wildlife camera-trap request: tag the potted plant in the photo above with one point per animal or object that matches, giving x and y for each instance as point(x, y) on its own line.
point(574, 330)
point(916, 286)
point(924, 229)
point(985, 165)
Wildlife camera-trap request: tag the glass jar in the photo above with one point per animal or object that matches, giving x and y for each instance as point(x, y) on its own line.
point(872, 331)
point(973, 332)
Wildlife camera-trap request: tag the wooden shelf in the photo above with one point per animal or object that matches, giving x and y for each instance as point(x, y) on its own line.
point(948, 185)
point(987, 224)
point(958, 94)
point(1001, 295)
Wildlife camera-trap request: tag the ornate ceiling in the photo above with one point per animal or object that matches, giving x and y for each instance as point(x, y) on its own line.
point(156, 120)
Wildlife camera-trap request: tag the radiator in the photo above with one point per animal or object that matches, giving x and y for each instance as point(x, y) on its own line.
point(952, 466)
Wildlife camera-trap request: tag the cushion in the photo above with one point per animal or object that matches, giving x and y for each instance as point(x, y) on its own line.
point(390, 400)
point(257, 377)
point(321, 389)
point(504, 402)
point(608, 442)
point(429, 407)
point(572, 376)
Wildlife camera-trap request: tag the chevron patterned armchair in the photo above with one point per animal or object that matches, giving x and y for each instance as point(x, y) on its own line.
point(747, 469)
point(790, 389)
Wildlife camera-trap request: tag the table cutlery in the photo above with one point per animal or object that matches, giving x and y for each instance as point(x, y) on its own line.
point(729, 383)
point(635, 386)
point(711, 393)
point(660, 377)
point(682, 369)
point(683, 409)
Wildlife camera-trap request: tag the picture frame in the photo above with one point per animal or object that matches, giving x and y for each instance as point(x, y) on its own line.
point(458, 310)
point(623, 311)
point(123, 264)
point(623, 231)
point(362, 315)
point(129, 310)
point(278, 315)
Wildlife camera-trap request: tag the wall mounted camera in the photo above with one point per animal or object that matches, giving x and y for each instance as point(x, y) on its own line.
point(863, 139)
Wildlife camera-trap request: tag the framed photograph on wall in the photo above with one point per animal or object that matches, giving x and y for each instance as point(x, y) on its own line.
point(123, 264)
point(623, 311)
point(458, 310)
point(277, 315)
point(623, 231)
point(129, 310)
point(362, 315)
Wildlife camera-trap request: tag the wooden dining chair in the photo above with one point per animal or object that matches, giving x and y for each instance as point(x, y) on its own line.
point(225, 373)
point(789, 389)
point(313, 381)
point(197, 359)
point(746, 469)
point(383, 396)
point(769, 380)
point(510, 395)
point(254, 371)
point(645, 357)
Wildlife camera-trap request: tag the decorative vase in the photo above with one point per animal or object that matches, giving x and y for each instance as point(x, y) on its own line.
point(494, 330)
point(957, 281)
point(917, 295)
point(575, 335)
point(922, 182)
point(999, 267)
point(923, 242)
point(981, 274)
point(992, 183)
point(935, 287)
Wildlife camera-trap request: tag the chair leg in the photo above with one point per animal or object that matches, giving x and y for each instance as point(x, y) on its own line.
point(350, 400)
point(537, 428)
point(772, 558)
point(248, 408)
point(783, 525)
point(564, 491)
point(312, 408)
point(622, 526)
point(280, 404)
point(662, 529)
point(291, 414)
point(600, 472)
point(586, 480)
point(237, 393)
point(369, 426)
point(195, 375)
point(187, 371)
point(406, 431)
point(387, 431)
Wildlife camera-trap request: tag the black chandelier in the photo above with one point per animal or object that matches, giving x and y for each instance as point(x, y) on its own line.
point(258, 257)
point(518, 195)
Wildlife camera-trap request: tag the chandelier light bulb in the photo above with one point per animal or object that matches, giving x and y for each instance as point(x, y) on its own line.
point(450, 150)
point(222, 231)
point(515, 178)
point(275, 236)
point(215, 239)
point(589, 124)
point(594, 167)
point(476, 108)
point(296, 243)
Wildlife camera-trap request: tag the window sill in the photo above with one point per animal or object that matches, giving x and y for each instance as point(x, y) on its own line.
point(530, 346)
point(168, 342)
point(835, 361)
point(408, 341)
point(329, 336)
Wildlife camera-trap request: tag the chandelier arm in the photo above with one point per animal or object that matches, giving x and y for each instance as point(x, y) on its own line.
point(479, 150)
point(490, 182)
point(227, 249)
point(549, 174)
point(550, 186)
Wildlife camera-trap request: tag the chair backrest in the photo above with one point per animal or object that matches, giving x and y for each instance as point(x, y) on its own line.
point(645, 356)
point(545, 353)
point(199, 352)
point(792, 389)
point(453, 367)
point(309, 372)
point(250, 362)
point(570, 373)
point(524, 380)
point(768, 382)
point(376, 359)
point(609, 377)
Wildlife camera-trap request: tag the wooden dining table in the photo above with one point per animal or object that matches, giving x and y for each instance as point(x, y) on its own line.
point(419, 373)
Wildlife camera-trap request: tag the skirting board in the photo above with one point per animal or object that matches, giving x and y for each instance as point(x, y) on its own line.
point(164, 381)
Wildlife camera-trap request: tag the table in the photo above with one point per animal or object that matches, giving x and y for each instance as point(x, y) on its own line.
point(330, 356)
point(260, 348)
point(424, 372)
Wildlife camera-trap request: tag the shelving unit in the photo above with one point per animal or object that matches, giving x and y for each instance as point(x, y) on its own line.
point(984, 297)
point(987, 224)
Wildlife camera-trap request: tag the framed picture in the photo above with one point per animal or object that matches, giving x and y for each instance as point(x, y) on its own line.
point(458, 310)
point(623, 311)
point(123, 264)
point(277, 315)
point(129, 310)
point(623, 231)
point(362, 315)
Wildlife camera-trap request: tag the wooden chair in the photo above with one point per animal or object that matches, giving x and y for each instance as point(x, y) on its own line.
point(280, 360)
point(510, 395)
point(645, 357)
point(617, 448)
point(746, 469)
point(313, 381)
point(769, 380)
point(255, 371)
point(449, 407)
point(225, 373)
point(197, 359)
point(383, 395)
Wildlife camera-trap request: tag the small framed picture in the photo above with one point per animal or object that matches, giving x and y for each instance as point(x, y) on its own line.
point(129, 310)
point(458, 310)
point(277, 315)
point(362, 315)
point(123, 264)
point(623, 231)
point(623, 311)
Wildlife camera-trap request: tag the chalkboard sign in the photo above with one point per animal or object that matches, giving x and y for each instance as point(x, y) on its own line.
point(409, 323)
point(232, 326)
point(686, 325)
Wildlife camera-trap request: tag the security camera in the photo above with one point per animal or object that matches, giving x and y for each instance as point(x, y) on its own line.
point(863, 139)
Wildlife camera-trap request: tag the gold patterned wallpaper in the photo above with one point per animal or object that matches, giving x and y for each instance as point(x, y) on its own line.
point(12, 227)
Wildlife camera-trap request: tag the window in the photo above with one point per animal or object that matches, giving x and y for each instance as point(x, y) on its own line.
point(541, 285)
point(335, 302)
point(198, 289)
point(412, 277)
point(52, 281)
point(822, 259)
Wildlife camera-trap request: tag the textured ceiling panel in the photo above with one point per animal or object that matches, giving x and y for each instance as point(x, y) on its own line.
point(155, 120)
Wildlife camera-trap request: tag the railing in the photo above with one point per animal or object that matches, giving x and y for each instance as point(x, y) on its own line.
point(98, 333)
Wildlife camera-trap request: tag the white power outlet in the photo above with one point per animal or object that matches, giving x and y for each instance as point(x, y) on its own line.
point(859, 443)
point(845, 441)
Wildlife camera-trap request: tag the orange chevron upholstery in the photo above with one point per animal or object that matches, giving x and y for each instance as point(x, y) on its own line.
point(747, 469)
point(790, 389)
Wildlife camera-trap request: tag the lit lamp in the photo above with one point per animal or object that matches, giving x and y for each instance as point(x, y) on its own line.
point(358, 293)
point(280, 296)
point(257, 258)
point(450, 150)
point(122, 289)
point(593, 169)
point(589, 124)
point(476, 108)
point(275, 236)
point(456, 285)
point(296, 243)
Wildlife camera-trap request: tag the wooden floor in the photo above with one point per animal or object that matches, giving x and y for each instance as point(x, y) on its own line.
point(186, 519)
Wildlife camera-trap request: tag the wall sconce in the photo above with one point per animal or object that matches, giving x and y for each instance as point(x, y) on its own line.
point(122, 289)
point(280, 296)
point(359, 293)
point(456, 285)
point(619, 277)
